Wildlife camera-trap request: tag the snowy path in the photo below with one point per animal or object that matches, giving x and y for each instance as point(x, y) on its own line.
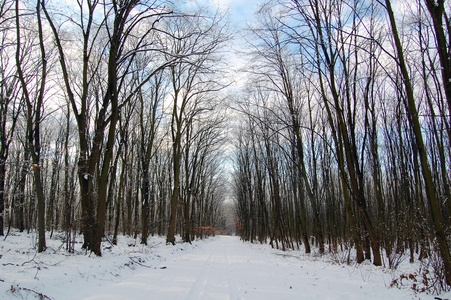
point(227, 268)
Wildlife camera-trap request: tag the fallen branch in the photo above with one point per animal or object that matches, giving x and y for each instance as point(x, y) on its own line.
point(15, 288)
point(111, 243)
point(38, 265)
point(31, 259)
point(139, 263)
point(41, 295)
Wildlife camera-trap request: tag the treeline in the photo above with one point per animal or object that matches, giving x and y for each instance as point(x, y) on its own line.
point(346, 134)
point(110, 119)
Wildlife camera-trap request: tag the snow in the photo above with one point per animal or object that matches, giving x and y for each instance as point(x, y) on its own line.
point(217, 268)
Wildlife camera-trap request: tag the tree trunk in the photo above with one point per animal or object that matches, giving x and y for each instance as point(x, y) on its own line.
point(145, 206)
point(436, 9)
point(2, 192)
point(175, 190)
point(174, 205)
point(119, 200)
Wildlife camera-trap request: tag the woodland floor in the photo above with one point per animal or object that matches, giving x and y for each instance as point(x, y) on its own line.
point(217, 268)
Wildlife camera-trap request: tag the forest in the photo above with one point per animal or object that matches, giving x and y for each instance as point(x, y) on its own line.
point(345, 139)
point(119, 117)
point(110, 119)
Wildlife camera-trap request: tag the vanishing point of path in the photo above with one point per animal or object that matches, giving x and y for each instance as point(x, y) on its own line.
point(227, 268)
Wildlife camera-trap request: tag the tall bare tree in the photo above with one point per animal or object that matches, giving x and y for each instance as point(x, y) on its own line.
point(10, 104)
point(34, 105)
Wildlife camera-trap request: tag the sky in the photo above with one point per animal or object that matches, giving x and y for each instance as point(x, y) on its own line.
point(241, 10)
point(241, 13)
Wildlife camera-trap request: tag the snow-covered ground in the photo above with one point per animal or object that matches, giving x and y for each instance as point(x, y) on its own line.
point(217, 268)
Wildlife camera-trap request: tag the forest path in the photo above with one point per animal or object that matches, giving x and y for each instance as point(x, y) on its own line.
point(227, 268)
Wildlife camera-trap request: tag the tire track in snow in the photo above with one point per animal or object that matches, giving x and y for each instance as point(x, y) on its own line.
point(198, 288)
point(216, 280)
point(234, 287)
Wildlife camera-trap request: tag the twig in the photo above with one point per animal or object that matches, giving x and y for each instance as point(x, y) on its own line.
point(137, 262)
point(154, 246)
point(57, 263)
point(30, 259)
point(41, 295)
point(112, 245)
point(38, 267)
point(7, 264)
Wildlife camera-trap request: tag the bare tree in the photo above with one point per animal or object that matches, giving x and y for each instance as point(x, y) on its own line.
point(149, 121)
point(442, 30)
point(34, 105)
point(10, 104)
